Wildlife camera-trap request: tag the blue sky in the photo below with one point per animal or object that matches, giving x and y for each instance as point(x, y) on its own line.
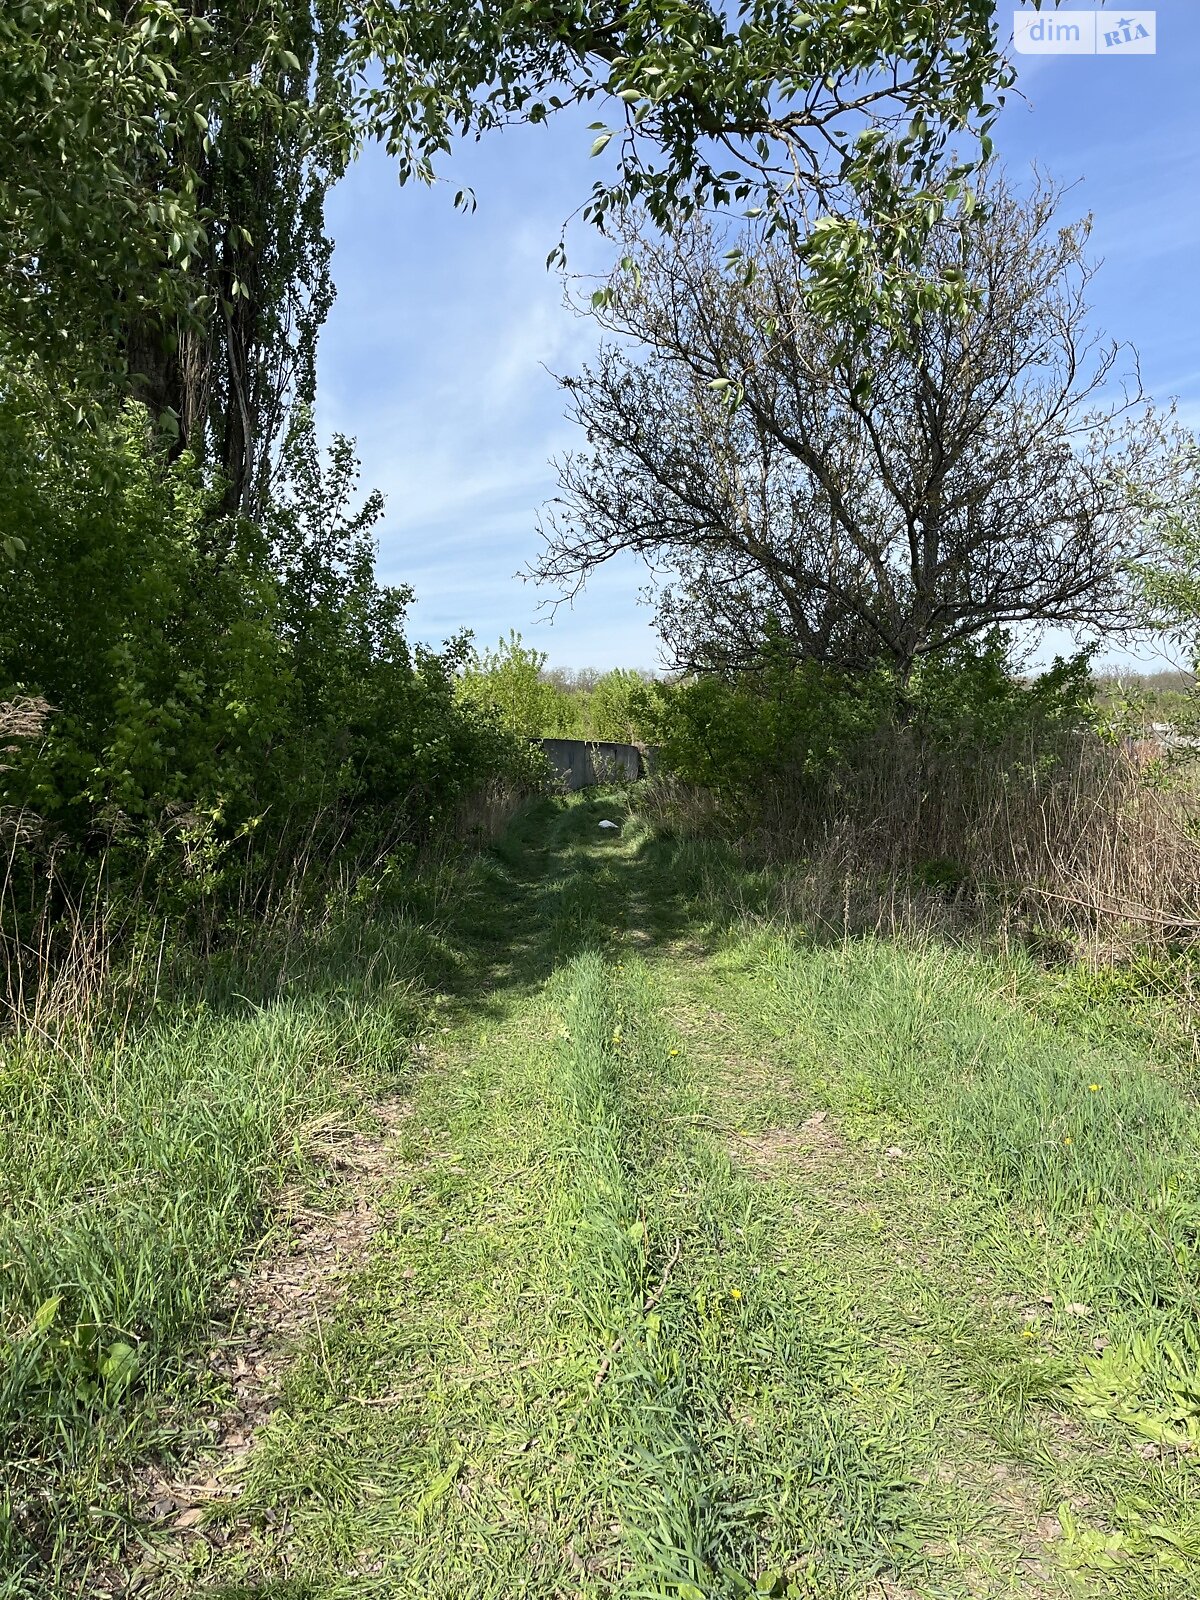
point(436, 352)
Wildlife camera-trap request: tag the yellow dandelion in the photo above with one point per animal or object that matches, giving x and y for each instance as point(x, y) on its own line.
point(1029, 1333)
point(1067, 1139)
point(1093, 1088)
point(672, 1052)
point(735, 1294)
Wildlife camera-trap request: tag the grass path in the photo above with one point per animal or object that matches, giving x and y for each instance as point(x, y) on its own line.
point(716, 1264)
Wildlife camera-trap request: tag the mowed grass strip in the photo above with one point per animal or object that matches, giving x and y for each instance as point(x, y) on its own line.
point(720, 1435)
point(419, 1448)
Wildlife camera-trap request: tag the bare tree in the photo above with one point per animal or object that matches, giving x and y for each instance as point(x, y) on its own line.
point(861, 504)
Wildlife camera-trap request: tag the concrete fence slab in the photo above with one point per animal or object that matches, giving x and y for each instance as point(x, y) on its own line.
point(581, 763)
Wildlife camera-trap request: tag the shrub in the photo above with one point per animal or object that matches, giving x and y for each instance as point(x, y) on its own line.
point(218, 695)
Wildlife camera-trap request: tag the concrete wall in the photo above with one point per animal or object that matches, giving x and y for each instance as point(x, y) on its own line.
point(583, 762)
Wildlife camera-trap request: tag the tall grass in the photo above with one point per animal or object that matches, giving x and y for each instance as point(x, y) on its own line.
point(161, 1075)
point(1078, 1167)
point(136, 1172)
point(1079, 840)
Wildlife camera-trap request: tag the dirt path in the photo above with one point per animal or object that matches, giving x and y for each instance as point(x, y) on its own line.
point(630, 1308)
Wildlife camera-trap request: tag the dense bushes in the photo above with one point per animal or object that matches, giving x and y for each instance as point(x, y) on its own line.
point(145, 622)
point(209, 682)
point(978, 799)
point(805, 723)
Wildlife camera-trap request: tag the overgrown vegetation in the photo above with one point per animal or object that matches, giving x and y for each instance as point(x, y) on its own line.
point(513, 684)
point(215, 698)
point(798, 1186)
point(738, 1258)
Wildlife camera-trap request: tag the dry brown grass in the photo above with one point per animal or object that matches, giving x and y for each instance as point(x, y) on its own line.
point(1088, 843)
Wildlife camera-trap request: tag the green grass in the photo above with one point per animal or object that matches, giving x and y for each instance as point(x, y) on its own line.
point(1015, 1207)
point(716, 1261)
point(134, 1174)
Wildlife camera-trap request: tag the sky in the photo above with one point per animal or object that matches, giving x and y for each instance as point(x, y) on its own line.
point(439, 353)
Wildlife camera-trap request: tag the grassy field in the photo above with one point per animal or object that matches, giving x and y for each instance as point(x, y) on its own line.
point(709, 1258)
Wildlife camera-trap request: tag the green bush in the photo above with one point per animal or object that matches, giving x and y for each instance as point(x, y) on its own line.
point(806, 722)
point(145, 620)
point(217, 688)
point(509, 683)
point(728, 734)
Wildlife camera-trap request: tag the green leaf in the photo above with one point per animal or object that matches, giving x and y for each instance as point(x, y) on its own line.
point(48, 1310)
point(120, 1365)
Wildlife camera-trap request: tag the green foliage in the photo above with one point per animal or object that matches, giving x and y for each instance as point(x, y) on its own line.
point(972, 698)
point(1171, 582)
point(87, 94)
point(1171, 579)
point(616, 707)
point(210, 680)
point(512, 682)
point(1128, 703)
point(509, 682)
point(146, 622)
point(716, 110)
point(730, 733)
point(384, 720)
point(163, 167)
point(159, 167)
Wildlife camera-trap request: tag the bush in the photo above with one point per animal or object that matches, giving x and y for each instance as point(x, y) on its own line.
point(148, 625)
point(731, 734)
point(212, 690)
point(804, 723)
point(509, 683)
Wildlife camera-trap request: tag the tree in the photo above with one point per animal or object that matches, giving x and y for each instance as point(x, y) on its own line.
point(271, 130)
point(509, 682)
point(88, 93)
point(617, 704)
point(163, 188)
point(1170, 575)
point(833, 116)
point(860, 504)
point(163, 162)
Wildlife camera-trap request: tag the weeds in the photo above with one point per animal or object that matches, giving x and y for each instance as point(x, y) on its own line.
point(1074, 847)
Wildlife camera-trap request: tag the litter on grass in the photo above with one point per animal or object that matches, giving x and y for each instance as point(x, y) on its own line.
point(607, 824)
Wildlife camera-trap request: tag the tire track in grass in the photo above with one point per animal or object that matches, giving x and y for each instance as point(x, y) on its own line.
point(581, 1360)
point(913, 1242)
point(723, 1440)
point(421, 1449)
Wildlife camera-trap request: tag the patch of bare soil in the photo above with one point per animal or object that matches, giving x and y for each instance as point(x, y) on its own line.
point(267, 1314)
point(802, 1147)
point(1013, 1509)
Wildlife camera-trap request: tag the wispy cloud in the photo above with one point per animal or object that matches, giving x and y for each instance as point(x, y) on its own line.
point(436, 352)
